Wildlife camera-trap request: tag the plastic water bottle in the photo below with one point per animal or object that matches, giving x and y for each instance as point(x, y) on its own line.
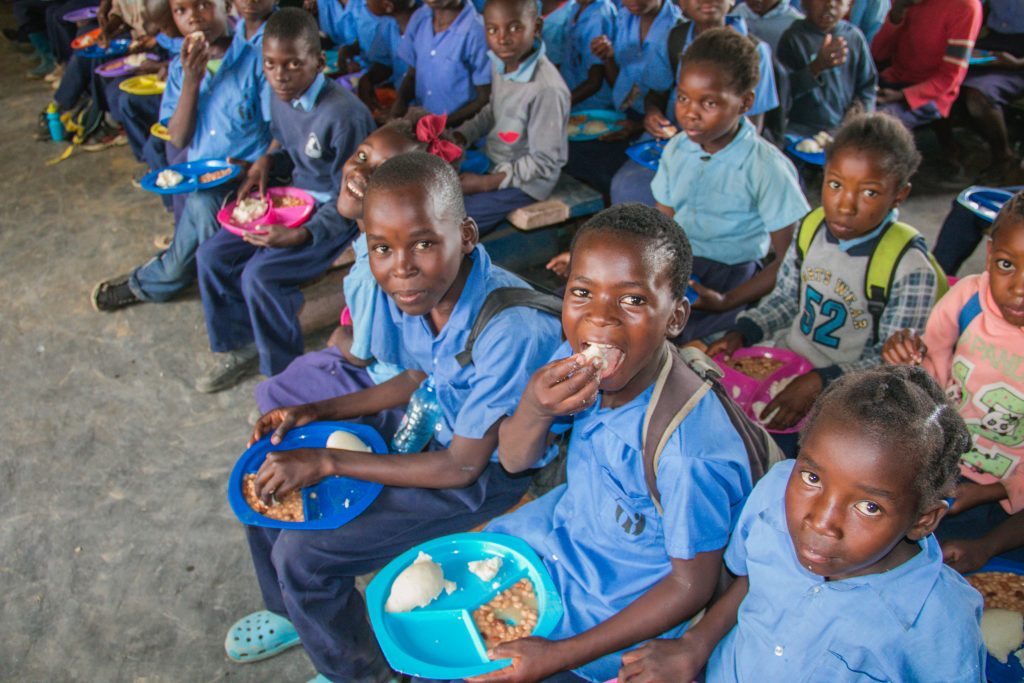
point(53, 121)
point(422, 416)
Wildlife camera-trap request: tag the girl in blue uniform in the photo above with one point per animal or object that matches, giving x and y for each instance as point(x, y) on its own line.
point(840, 576)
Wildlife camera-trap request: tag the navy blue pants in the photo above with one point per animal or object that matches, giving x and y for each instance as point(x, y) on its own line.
point(959, 236)
point(60, 32)
point(77, 80)
point(595, 162)
point(309, 576)
point(137, 113)
point(30, 15)
point(720, 277)
point(252, 293)
point(489, 209)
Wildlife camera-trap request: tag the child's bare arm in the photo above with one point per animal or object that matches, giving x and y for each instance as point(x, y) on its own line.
point(563, 387)
point(754, 288)
point(967, 555)
point(590, 86)
point(671, 661)
point(604, 50)
point(677, 597)
point(470, 109)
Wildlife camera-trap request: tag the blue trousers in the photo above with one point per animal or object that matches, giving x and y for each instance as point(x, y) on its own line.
point(489, 209)
point(720, 277)
point(77, 80)
point(309, 576)
point(174, 268)
point(60, 32)
point(959, 236)
point(632, 183)
point(137, 113)
point(252, 293)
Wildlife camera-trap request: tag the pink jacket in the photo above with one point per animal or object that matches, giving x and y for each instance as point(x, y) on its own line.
point(982, 371)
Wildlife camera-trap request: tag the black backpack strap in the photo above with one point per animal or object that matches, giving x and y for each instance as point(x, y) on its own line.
point(496, 302)
point(676, 42)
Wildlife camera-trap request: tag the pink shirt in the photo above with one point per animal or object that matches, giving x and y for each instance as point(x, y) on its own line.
point(982, 372)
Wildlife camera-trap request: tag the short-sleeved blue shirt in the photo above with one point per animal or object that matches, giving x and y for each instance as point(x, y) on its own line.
point(642, 66)
point(514, 344)
point(360, 24)
point(361, 298)
point(449, 65)
point(916, 622)
point(729, 202)
point(600, 535)
point(332, 20)
point(233, 112)
point(384, 49)
point(597, 19)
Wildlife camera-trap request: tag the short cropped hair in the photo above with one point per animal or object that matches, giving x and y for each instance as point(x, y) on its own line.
point(884, 137)
point(291, 24)
point(437, 177)
point(665, 239)
point(1012, 213)
point(734, 55)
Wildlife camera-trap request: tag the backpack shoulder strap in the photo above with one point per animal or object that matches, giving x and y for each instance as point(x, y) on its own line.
point(676, 41)
point(676, 391)
point(807, 231)
point(970, 311)
point(496, 302)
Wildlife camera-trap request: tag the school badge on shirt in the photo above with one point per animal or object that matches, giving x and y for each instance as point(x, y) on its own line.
point(313, 146)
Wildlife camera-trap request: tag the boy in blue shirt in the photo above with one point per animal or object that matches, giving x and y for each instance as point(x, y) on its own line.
point(433, 279)
point(626, 568)
point(840, 575)
point(384, 65)
point(449, 72)
point(583, 71)
point(250, 284)
point(215, 107)
point(767, 19)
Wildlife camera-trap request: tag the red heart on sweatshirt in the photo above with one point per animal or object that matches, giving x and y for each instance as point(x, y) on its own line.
point(508, 137)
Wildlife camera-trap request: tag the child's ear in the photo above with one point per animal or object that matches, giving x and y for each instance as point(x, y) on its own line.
point(470, 234)
point(748, 102)
point(902, 195)
point(321, 61)
point(677, 320)
point(540, 26)
point(928, 521)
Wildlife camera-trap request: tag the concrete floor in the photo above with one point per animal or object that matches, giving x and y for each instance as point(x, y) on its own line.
point(120, 559)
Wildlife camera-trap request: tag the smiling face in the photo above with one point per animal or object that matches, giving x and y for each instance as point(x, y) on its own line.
point(707, 12)
point(857, 194)
point(254, 12)
point(206, 16)
point(825, 14)
point(416, 255)
point(291, 66)
point(377, 148)
point(1006, 270)
point(707, 109)
point(511, 31)
point(619, 295)
point(850, 504)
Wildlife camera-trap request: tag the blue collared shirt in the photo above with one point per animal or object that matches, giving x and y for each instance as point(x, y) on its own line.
point(770, 26)
point(553, 32)
point(360, 24)
point(729, 202)
point(523, 72)
point(642, 66)
point(361, 296)
point(171, 45)
point(233, 112)
point(384, 49)
point(600, 535)
point(307, 100)
point(916, 622)
point(449, 65)
point(599, 18)
point(332, 20)
point(513, 345)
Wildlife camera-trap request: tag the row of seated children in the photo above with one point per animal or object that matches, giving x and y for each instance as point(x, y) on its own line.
point(843, 533)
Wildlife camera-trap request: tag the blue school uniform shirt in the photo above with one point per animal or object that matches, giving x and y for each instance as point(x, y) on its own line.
point(384, 50)
point(233, 113)
point(514, 344)
point(553, 32)
point(170, 45)
point(359, 24)
point(332, 20)
point(361, 290)
point(729, 202)
point(642, 66)
point(916, 622)
point(600, 535)
point(450, 65)
point(597, 19)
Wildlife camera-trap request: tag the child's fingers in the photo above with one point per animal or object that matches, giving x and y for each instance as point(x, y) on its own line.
point(287, 422)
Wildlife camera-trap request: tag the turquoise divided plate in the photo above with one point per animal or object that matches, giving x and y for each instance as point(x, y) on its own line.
point(440, 641)
point(614, 120)
point(995, 671)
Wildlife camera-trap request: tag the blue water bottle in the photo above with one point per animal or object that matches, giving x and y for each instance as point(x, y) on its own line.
point(53, 121)
point(422, 416)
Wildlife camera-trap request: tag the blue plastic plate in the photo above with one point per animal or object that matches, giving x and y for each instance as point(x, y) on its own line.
point(117, 47)
point(648, 153)
point(996, 671)
point(191, 170)
point(327, 505)
point(614, 120)
point(817, 159)
point(440, 641)
point(981, 57)
point(984, 202)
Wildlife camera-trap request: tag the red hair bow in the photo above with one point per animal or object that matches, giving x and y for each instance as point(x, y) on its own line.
point(429, 129)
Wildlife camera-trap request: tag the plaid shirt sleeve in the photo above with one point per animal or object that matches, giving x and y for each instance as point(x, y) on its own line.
point(778, 309)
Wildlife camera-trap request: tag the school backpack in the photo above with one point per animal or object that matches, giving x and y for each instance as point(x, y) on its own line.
point(882, 264)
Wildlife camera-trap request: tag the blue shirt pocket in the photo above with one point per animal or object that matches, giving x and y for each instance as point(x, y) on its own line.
point(855, 666)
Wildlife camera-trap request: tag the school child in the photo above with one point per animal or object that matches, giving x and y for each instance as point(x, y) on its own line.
point(972, 346)
point(30, 22)
point(433, 279)
point(583, 71)
point(636, 61)
point(250, 285)
point(632, 182)
point(830, 303)
point(831, 73)
point(732, 192)
point(214, 107)
point(448, 69)
point(961, 232)
point(926, 44)
point(384, 66)
point(347, 365)
point(626, 566)
point(840, 576)
point(767, 19)
point(524, 122)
